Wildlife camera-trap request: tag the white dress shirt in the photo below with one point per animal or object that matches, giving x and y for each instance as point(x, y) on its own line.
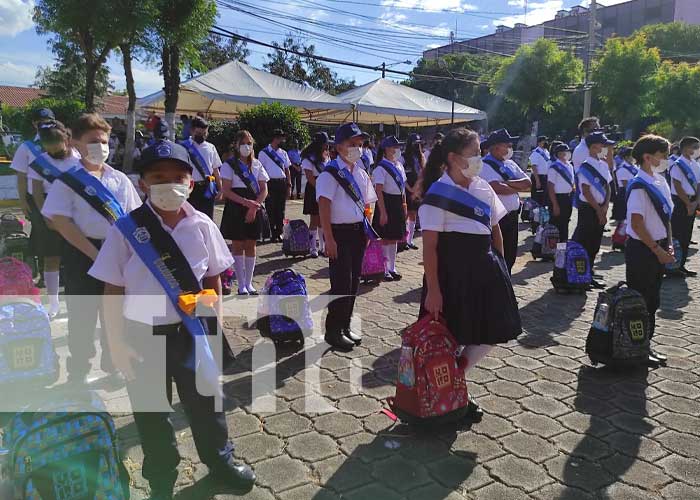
point(307, 164)
point(580, 154)
point(273, 170)
point(539, 158)
point(640, 203)
point(510, 201)
point(623, 174)
point(70, 161)
point(381, 176)
point(440, 220)
point(236, 182)
point(343, 209)
point(210, 155)
point(21, 160)
point(561, 185)
point(677, 174)
point(602, 168)
point(63, 200)
point(118, 264)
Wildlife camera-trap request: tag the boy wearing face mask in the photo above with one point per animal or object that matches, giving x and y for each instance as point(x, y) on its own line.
point(389, 180)
point(507, 180)
point(685, 183)
point(276, 163)
point(585, 128)
point(344, 192)
point(540, 160)
point(82, 204)
point(624, 172)
point(649, 208)
point(44, 241)
point(166, 248)
point(560, 188)
point(465, 282)
point(206, 162)
point(593, 197)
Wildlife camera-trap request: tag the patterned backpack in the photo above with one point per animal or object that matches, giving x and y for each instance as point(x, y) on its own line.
point(16, 279)
point(296, 239)
point(544, 245)
point(65, 450)
point(572, 269)
point(284, 313)
point(373, 262)
point(431, 388)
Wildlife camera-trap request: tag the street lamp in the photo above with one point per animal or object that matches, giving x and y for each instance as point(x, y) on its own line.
point(443, 65)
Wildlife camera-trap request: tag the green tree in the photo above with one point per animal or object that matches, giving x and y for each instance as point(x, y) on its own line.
point(222, 134)
point(90, 28)
point(677, 41)
point(217, 50)
point(261, 120)
point(623, 78)
point(676, 96)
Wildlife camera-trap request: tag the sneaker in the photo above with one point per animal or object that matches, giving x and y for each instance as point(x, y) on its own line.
point(388, 276)
point(238, 476)
point(53, 310)
point(396, 275)
point(412, 246)
point(688, 273)
point(314, 254)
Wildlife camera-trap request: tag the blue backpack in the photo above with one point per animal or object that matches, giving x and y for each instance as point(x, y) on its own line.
point(65, 451)
point(284, 313)
point(572, 270)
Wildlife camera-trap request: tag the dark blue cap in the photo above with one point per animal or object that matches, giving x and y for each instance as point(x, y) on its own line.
point(390, 142)
point(500, 136)
point(43, 114)
point(415, 139)
point(560, 148)
point(164, 150)
point(348, 131)
point(321, 138)
point(624, 151)
point(598, 138)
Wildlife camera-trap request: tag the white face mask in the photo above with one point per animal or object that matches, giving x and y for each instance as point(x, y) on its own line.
point(475, 166)
point(169, 197)
point(567, 156)
point(509, 154)
point(353, 154)
point(662, 166)
point(603, 155)
point(97, 153)
point(393, 155)
point(245, 150)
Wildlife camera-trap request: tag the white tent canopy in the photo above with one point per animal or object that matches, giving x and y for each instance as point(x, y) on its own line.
point(234, 87)
point(385, 101)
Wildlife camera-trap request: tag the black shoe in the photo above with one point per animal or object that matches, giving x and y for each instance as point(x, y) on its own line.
point(339, 341)
point(254, 292)
point(597, 276)
point(597, 285)
point(243, 293)
point(352, 336)
point(661, 357)
point(225, 290)
point(675, 273)
point(689, 273)
point(474, 411)
point(395, 275)
point(412, 246)
point(238, 476)
point(402, 247)
point(388, 276)
point(693, 242)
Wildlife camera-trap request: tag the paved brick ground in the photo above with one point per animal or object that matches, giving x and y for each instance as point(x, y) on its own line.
point(555, 428)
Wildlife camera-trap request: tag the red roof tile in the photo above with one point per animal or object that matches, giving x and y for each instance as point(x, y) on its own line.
point(19, 96)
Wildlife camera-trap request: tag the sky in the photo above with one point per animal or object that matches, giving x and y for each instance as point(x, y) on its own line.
point(391, 31)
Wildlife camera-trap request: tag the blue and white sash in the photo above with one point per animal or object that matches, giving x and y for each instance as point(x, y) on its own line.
point(663, 208)
point(346, 180)
point(563, 171)
point(500, 168)
point(459, 202)
point(245, 173)
point(365, 161)
point(393, 172)
point(543, 154)
point(595, 179)
point(294, 156)
point(626, 166)
point(96, 194)
point(168, 265)
point(688, 173)
point(41, 164)
point(202, 167)
point(272, 154)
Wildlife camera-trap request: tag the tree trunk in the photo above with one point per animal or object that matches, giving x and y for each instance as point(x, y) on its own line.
point(90, 73)
point(127, 164)
point(171, 80)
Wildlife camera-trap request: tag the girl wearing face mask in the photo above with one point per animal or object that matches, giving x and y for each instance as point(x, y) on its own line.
point(560, 188)
point(625, 171)
point(414, 162)
point(466, 279)
point(44, 242)
point(85, 228)
point(389, 180)
point(685, 186)
point(245, 189)
point(315, 156)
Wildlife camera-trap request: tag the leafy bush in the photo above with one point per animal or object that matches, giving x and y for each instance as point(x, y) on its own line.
point(263, 119)
point(20, 119)
point(222, 133)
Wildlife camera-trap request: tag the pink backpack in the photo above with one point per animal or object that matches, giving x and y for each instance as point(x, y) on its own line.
point(16, 278)
point(373, 262)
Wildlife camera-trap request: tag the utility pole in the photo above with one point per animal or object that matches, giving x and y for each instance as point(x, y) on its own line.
point(589, 59)
point(383, 70)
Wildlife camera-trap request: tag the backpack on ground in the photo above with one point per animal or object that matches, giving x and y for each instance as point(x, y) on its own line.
point(545, 243)
point(431, 388)
point(265, 228)
point(675, 266)
point(540, 217)
point(296, 239)
point(619, 335)
point(572, 268)
point(17, 245)
point(65, 451)
point(284, 313)
point(619, 237)
point(16, 279)
point(10, 224)
point(373, 262)
point(528, 206)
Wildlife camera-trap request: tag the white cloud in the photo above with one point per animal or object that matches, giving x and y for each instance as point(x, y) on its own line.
point(517, 3)
point(431, 5)
point(395, 20)
point(20, 75)
point(353, 22)
point(537, 12)
point(15, 16)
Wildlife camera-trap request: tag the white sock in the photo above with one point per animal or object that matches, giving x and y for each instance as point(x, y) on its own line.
point(411, 225)
point(239, 268)
point(249, 271)
point(475, 353)
point(386, 250)
point(51, 279)
point(313, 236)
point(321, 241)
point(391, 265)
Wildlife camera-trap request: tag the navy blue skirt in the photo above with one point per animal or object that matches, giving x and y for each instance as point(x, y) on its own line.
point(395, 228)
point(233, 224)
point(478, 300)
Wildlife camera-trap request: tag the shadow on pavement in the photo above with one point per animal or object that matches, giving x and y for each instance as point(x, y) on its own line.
point(549, 315)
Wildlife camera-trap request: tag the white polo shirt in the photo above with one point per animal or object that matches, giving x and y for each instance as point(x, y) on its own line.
point(66, 163)
point(510, 201)
point(343, 209)
point(236, 182)
point(273, 170)
point(580, 154)
point(440, 220)
point(210, 155)
point(381, 176)
point(307, 164)
point(640, 203)
point(561, 185)
point(623, 173)
point(63, 200)
point(540, 160)
point(118, 264)
point(602, 168)
point(677, 174)
point(21, 160)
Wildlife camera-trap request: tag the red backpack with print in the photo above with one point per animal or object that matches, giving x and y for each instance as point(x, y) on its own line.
point(431, 388)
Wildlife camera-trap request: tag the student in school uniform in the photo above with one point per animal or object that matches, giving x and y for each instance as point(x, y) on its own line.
point(414, 161)
point(507, 180)
point(466, 278)
point(82, 204)
point(206, 162)
point(315, 157)
point(390, 213)
point(45, 241)
point(295, 170)
point(625, 170)
point(560, 189)
point(540, 161)
point(276, 163)
point(593, 197)
point(153, 346)
point(685, 186)
point(438, 137)
point(367, 156)
point(649, 207)
point(344, 193)
point(585, 128)
point(245, 189)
